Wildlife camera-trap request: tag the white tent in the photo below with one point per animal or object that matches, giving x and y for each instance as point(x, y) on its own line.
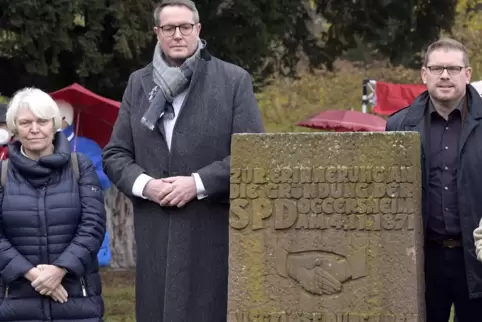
point(478, 86)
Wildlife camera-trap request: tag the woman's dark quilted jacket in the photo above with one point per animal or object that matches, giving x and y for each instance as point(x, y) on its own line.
point(48, 217)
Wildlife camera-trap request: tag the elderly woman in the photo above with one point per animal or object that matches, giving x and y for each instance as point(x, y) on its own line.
point(52, 220)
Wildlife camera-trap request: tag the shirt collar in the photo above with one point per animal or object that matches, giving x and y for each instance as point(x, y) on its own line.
point(23, 152)
point(459, 107)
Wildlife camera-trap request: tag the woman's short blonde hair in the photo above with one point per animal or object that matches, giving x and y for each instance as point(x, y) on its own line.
point(38, 102)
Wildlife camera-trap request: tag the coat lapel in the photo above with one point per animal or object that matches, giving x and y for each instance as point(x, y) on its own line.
point(415, 121)
point(468, 126)
point(472, 118)
point(199, 72)
point(147, 81)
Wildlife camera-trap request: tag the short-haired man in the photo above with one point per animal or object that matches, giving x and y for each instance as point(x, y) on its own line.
point(170, 152)
point(448, 117)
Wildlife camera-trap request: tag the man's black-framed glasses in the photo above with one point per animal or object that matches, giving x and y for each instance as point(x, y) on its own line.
point(451, 70)
point(185, 29)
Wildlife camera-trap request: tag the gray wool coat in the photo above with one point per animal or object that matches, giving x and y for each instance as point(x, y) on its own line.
point(182, 254)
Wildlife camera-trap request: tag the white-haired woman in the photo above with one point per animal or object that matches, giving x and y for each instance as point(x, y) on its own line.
point(52, 220)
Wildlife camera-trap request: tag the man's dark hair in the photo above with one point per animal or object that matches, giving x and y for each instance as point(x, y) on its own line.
point(182, 3)
point(446, 44)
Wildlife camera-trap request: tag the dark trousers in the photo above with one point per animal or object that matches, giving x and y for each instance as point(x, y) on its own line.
point(446, 284)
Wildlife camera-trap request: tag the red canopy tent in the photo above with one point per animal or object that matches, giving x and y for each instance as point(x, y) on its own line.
point(94, 115)
point(345, 121)
point(390, 98)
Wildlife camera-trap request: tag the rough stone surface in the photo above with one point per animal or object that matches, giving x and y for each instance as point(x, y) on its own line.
point(326, 227)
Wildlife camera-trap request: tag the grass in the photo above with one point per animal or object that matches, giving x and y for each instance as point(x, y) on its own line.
point(119, 296)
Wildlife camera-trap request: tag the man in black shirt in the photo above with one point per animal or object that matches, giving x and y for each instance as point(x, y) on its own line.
point(448, 117)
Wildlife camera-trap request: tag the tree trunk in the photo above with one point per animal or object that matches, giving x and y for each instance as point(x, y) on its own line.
point(120, 225)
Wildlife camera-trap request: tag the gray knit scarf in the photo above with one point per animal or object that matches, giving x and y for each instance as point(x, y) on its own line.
point(172, 80)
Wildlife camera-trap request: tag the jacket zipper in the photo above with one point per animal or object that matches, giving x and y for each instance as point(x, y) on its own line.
point(6, 292)
point(82, 283)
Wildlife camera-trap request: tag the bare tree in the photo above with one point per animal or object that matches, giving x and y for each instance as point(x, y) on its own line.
point(120, 225)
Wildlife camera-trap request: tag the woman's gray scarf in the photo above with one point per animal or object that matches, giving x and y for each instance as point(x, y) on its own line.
point(172, 81)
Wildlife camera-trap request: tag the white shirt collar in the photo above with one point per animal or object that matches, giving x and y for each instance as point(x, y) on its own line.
point(23, 152)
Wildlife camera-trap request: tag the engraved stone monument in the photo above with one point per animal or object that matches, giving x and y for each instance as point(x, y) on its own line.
point(326, 227)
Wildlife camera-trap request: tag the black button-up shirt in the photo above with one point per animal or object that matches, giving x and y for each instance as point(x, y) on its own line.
point(444, 138)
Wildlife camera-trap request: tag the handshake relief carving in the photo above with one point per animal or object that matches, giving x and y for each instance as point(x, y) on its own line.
point(320, 272)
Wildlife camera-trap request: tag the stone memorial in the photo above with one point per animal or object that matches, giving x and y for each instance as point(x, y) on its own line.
point(326, 227)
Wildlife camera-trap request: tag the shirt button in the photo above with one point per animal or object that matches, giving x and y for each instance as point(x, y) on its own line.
point(446, 168)
point(447, 128)
point(446, 148)
point(446, 209)
point(446, 188)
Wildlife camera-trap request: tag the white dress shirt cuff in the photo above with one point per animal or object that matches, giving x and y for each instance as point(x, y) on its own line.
point(478, 241)
point(139, 184)
point(200, 190)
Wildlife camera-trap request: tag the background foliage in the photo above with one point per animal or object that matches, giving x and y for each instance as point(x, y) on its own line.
point(51, 44)
point(305, 55)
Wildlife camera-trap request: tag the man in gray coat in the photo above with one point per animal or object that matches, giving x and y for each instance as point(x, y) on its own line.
point(170, 153)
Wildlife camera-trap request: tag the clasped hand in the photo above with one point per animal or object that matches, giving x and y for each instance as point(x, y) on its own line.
point(173, 191)
point(46, 279)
